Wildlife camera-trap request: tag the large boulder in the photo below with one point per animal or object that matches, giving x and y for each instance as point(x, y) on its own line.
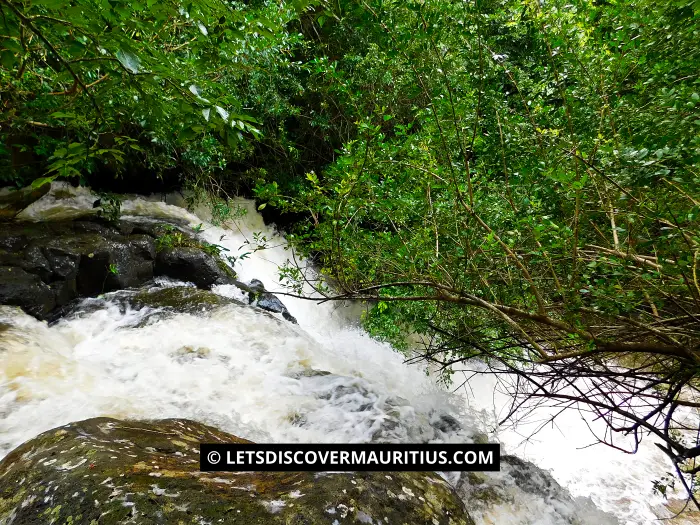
point(13, 201)
point(85, 258)
point(105, 471)
point(178, 299)
point(20, 288)
point(191, 264)
point(72, 259)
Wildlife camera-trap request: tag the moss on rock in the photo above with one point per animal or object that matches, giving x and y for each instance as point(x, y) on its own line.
point(55, 262)
point(179, 299)
point(13, 201)
point(104, 471)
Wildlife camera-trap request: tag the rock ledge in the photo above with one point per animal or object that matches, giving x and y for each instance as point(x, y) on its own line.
point(106, 471)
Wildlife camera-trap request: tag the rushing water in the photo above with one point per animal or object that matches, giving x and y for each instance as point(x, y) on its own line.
point(267, 380)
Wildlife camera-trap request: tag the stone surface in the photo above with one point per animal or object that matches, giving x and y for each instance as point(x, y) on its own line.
point(522, 484)
point(59, 261)
point(267, 301)
point(89, 257)
point(179, 299)
point(13, 201)
point(192, 265)
point(105, 471)
point(20, 288)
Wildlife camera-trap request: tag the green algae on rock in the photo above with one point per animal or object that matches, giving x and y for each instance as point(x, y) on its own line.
point(106, 471)
point(179, 299)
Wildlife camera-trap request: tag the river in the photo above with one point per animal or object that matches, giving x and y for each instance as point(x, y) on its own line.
point(267, 380)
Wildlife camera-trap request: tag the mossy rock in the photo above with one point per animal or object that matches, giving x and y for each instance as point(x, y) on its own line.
point(13, 201)
point(106, 471)
point(179, 299)
point(179, 241)
point(66, 260)
point(192, 264)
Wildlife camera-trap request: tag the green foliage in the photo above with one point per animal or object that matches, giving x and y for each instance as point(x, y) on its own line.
point(292, 277)
point(544, 159)
point(158, 84)
point(171, 237)
point(664, 485)
point(213, 249)
point(516, 181)
point(110, 206)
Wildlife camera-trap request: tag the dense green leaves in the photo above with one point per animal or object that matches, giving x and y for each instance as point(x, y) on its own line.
point(539, 157)
point(519, 182)
point(169, 75)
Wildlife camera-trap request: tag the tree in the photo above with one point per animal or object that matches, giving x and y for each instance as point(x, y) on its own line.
point(95, 84)
point(521, 187)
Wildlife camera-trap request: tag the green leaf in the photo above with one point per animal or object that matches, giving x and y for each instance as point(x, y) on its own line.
point(51, 4)
point(62, 114)
point(8, 59)
point(38, 183)
point(11, 45)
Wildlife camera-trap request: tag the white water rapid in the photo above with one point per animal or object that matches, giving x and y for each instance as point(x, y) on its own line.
point(258, 377)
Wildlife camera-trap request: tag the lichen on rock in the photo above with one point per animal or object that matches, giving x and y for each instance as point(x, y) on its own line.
point(106, 471)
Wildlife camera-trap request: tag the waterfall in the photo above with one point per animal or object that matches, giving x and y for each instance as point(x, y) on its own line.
point(324, 380)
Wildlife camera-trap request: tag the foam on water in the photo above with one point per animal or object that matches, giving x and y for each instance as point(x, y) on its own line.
point(267, 380)
point(615, 481)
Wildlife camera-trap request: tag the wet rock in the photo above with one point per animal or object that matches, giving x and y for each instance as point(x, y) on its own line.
point(63, 263)
point(444, 423)
point(34, 261)
point(480, 438)
point(267, 301)
point(12, 241)
point(13, 201)
point(151, 227)
point(26, 290)
point(255, 288)
point(311, 372)
point(163, 299)
point(521, 484)
point(515, 472)
point(107, 471)
point(192, 265)
point(179, 299)
point(86, 258)
point(64, 291)
point(529, 477)
point(100, 262)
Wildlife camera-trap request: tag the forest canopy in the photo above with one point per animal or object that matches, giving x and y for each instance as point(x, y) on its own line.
point(510, 180)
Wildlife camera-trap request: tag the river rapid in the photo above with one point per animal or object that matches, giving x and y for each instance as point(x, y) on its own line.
point(267, 380)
